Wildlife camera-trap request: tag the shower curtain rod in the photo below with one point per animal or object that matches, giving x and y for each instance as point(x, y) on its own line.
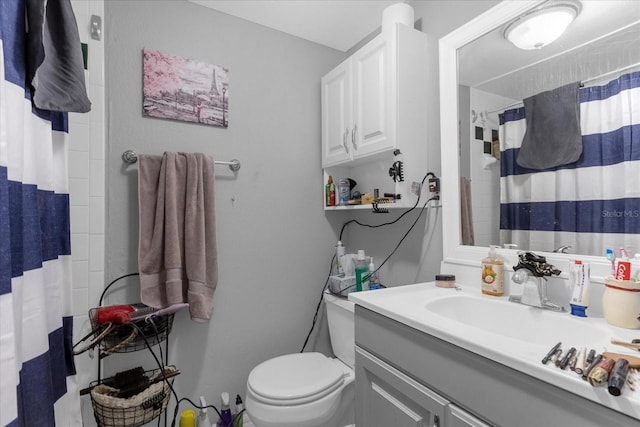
point(131, 157)
point(589, 80)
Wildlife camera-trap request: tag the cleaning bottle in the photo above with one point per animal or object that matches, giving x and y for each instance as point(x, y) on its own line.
point(374, 279)
point(362, 272)
point(339, 255)
point(492, 274)
point(203, 418)
point(239, 411)
point(188, 418)
point(225, 420)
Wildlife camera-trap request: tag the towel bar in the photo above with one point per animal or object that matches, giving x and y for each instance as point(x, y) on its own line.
point(130, 156)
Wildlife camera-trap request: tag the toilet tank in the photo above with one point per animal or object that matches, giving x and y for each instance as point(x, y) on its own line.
point(341, 320)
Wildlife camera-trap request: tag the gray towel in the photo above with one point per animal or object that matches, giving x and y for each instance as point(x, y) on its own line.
point(553, 137)
point(54, 53)
point(177, 253)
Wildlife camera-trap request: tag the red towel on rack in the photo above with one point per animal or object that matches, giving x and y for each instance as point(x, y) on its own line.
point(177, 253)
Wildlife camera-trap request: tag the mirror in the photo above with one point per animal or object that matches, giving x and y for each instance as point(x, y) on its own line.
point(482, 75)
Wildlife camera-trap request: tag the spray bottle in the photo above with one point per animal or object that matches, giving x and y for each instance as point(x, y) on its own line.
point(239, 411)
point(225, 420)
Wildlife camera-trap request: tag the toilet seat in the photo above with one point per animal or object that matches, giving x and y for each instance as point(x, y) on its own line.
point(295, 379)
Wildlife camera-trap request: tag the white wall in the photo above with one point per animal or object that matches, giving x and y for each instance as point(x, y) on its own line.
point(275, 241)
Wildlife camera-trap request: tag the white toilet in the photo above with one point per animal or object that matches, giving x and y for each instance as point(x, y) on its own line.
point(308, 389)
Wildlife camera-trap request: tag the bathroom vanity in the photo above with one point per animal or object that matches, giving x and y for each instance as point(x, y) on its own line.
point(416, 365)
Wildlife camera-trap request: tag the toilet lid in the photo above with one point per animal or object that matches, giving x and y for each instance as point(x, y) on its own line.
point(296, 376)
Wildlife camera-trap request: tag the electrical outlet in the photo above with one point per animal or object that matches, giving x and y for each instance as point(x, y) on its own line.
point(434, 185)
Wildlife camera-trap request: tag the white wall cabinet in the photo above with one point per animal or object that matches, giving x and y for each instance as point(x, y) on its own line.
point(372, 103)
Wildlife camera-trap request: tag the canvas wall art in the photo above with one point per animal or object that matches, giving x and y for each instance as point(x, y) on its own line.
point(183, 89)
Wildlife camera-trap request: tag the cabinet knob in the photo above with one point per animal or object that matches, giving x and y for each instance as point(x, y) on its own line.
point(436, 421)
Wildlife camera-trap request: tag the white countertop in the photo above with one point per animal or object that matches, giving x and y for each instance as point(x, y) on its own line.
point(409, 305)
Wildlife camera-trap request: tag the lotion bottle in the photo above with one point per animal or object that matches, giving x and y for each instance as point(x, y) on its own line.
point(327, 192)
point(492, 274)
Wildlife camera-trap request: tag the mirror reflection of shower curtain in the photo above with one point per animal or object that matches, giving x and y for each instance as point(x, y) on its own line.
point(591, 204)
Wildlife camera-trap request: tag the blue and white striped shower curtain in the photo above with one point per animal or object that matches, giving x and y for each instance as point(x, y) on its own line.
point(38, 384)
point(591, 204)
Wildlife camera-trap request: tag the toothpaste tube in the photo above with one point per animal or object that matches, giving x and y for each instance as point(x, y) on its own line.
point(623, 270)
point(579, 276)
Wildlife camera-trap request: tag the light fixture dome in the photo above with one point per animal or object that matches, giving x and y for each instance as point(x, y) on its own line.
point(541, 27)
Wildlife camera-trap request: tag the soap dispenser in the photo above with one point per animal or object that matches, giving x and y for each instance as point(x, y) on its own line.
point(492, 274)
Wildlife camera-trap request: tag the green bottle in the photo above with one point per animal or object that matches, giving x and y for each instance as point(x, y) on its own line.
point(362, 272)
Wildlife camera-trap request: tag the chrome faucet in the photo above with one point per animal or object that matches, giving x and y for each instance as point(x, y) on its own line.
point(562, 249)
point(530, 272)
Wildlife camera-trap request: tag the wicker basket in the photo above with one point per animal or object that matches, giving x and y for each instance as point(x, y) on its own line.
point(134, 411)
point(154, 333)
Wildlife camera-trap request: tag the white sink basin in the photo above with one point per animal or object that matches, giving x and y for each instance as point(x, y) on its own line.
point(517, 321)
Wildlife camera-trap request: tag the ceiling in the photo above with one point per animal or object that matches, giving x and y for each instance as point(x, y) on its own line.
point(336, 24)
point(489, 63)
point(605, 36)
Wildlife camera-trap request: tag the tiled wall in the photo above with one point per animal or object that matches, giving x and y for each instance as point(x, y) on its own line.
point(87, 189)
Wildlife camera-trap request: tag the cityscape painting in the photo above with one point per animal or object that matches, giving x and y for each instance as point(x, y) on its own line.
point(183, 89)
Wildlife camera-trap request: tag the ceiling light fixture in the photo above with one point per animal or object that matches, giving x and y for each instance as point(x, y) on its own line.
point(541, 27)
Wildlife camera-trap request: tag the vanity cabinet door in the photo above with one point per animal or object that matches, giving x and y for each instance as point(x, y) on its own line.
point(458, 417)
point(387, 397)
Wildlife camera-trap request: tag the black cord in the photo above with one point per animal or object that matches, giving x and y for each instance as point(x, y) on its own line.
point(436, 197)
point(315, 316)
point(112, 282)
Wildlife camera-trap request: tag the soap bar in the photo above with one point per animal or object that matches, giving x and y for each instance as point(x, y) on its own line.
point(445, 280)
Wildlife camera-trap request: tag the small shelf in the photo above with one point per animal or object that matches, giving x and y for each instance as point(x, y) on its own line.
point(365, 207)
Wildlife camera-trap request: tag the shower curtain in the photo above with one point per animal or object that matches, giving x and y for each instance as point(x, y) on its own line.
point(38, 384)
point(591, 204)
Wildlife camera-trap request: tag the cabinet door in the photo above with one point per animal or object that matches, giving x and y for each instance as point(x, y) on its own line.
point(374, 99)
point(337, 116)
point(387, 397)
point(458, 417)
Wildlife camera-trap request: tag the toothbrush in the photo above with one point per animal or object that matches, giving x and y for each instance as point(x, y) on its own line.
point(623, 254)
point(611, 257)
